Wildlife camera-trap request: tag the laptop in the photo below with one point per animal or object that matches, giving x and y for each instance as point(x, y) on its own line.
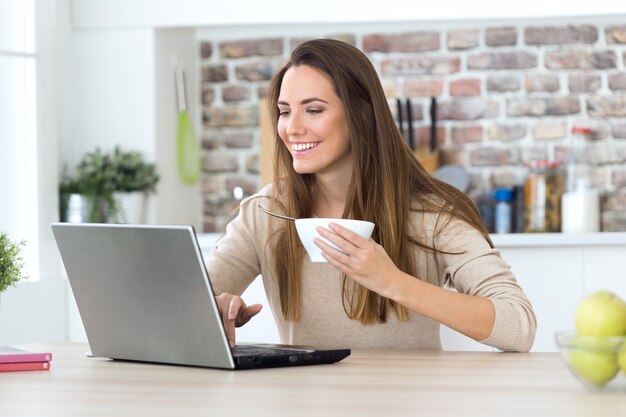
point(144, 294)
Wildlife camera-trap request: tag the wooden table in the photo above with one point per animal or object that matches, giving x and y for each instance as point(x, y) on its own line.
point(367, 383)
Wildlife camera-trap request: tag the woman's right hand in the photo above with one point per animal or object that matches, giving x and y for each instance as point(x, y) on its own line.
point(235, 313)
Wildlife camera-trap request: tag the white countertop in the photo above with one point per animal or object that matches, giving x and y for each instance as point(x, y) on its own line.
point(508, 240)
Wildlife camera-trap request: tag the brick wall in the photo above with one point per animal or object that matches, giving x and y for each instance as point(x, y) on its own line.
point(507, 95)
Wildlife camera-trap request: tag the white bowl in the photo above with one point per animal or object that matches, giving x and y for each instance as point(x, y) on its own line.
point(306, 232)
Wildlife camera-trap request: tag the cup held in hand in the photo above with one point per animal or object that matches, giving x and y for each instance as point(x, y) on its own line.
point(306, 232)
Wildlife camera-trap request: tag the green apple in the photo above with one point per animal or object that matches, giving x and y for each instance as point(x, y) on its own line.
point(603, 314)
point(594, 360)
point(621, 358)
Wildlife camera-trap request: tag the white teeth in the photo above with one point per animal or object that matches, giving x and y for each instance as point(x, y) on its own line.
point(303, 146)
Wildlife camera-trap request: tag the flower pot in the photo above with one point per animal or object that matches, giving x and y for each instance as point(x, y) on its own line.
point(82, 208)
point(132, 207)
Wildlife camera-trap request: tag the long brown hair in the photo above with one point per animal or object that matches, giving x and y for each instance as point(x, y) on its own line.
point(387, 181)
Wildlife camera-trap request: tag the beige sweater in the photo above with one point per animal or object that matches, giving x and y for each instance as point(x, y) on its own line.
point(241, 255)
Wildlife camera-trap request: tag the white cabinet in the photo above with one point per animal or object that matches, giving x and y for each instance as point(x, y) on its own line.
point(555, 271)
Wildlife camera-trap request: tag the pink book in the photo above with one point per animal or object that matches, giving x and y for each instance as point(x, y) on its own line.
point(24, 366)
point(9, 354)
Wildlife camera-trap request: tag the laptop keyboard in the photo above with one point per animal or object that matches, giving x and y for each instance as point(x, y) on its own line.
point(243, 350)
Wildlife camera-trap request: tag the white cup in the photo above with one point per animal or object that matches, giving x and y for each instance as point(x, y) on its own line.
point(306, 232)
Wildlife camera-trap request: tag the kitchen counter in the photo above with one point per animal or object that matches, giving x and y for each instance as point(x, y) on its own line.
point(510, 240)
point(366, 383)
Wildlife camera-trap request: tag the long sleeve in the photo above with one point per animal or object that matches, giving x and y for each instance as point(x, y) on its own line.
point(474, 268)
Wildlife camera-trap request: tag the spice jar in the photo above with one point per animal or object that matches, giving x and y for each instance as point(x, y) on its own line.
point(542, 192)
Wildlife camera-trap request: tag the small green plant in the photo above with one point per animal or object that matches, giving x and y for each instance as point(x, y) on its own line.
point(11, 263)
point(99, 174)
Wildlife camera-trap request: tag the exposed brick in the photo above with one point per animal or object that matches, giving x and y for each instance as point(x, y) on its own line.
point(421, 135)
point(390, 86)
point(550, 35)
point(253, 47)
point(214, 206)
point(502, 60)
point(581, 59)
point(216, 162)
point(230, 116)
point(618, 130)
point(235, 93)
point(253, 164)
point(533, 153)
point(503, 83)
point(550, 129)
point(214, 73)
point(615, 34)
point(492, 157)
point(557, 106)
point(467, 134)
point(239, 139)
point(258, 71)
point(420, 65)
point(207, 93)
point(503, 36)
point(465, 87)
point(404, 42)
point(211, 139)
point(210, 184)
point(541, 82)
point(422, 87)
point(463, 39)
point(618, 179)
point(206, 49)
point(468, 109)
point(613, 106)
point(263, 90)
point(617, 81)
point(584, 83)
point(249, 185)
point(507, 132)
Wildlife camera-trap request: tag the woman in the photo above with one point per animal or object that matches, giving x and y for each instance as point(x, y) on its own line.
point(340, 154)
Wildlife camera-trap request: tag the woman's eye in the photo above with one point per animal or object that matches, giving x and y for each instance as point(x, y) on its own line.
point(314, 111)
point(283, 113)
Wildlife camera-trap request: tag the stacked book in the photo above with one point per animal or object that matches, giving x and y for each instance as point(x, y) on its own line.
point(14, 359)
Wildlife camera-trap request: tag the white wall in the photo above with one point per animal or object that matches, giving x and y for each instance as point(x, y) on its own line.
point(168, 13)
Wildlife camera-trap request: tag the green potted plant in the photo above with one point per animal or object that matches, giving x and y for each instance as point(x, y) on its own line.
point(134, 179)
point(92, 194)
point(11, 263)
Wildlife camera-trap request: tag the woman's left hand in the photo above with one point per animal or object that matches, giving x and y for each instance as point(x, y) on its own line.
point(364, 260)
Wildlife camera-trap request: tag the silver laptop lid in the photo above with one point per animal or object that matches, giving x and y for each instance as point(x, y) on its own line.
point(143, 293)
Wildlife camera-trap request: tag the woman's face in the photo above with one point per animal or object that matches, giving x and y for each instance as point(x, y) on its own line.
point(312, 123)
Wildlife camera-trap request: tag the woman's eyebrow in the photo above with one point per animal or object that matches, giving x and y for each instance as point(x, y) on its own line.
point(305, 101)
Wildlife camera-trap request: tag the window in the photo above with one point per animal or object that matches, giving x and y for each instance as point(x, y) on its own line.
point(18, 128)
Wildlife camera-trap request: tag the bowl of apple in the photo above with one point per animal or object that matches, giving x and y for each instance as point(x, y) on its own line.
point(595, 352)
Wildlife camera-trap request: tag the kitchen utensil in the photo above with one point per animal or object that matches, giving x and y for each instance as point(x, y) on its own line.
point(400, 119)
point(409, 119)
point(428, 155)
point(433, 124)
point(187, 149)
point(454, 175)
point(280, 216)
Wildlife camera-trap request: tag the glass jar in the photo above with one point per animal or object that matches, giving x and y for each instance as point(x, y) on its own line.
point(542, 193)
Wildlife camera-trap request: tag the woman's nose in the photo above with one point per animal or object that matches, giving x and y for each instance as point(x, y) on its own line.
point(295, 125)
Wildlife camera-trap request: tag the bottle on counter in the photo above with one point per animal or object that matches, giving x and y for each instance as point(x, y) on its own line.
point(580, 203)
point(503, 210)
point(542, 193)
point(519, 209)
